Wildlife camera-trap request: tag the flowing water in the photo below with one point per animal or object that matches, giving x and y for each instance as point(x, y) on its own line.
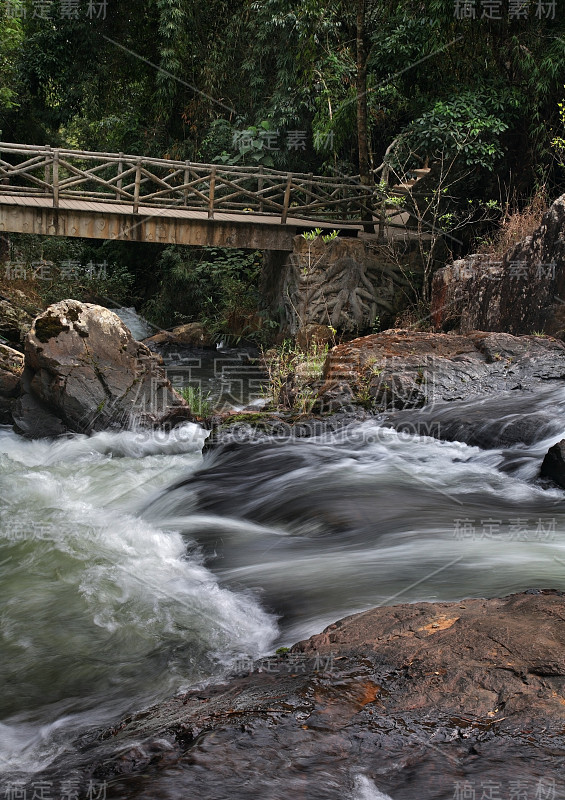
point(132, 568)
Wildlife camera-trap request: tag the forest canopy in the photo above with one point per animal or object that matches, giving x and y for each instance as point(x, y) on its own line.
point(285, 83)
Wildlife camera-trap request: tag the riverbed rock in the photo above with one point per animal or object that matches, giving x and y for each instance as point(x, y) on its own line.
point(413, 701)
point(11, 368)
point(522, 292)
point(553, 465)
point(85, 372)
point(408, 369)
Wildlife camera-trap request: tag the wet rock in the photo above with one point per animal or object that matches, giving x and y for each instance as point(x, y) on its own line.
point(84, 372)
point(412, 701)
point(553, 465)
point(524, 292)
point(245, 427)
point(163, 337)
point(11, 368)
point(499, 421)
point(407, 369)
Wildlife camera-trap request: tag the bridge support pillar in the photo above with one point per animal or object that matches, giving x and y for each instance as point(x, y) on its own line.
point(352, 285)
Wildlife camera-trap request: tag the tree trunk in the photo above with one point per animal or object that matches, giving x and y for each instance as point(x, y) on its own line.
point(365, 174)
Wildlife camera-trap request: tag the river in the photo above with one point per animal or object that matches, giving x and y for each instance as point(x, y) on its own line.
point(132, 568)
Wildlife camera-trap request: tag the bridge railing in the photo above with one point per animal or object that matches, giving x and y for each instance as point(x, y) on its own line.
point(140, 182)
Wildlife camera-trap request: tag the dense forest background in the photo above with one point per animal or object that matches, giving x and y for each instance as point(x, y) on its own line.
point(325, 87)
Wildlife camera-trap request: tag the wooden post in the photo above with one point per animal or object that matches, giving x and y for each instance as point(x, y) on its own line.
point(3, 182)
point(211, 193)
point(366, 210)
point(137, 186)
point(260, 187)
point(286, 202)
point(309, 190)
point(47, 169)
point(119, 181)
point(56, 179)
point(186, 180)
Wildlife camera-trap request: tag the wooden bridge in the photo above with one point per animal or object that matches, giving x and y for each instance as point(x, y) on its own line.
point(61, 192)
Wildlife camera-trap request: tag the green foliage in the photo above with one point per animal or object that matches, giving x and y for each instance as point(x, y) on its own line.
point(62, 268)
point(183, 79)
point(200, 403)
point(311, 236)
point(241, 144)
point(11, 42)
point(464, 126)
point(216, 286)
point(292, 373)
point(558, 142)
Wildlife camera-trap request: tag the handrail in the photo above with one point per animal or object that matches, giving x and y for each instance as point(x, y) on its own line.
point(140, 181)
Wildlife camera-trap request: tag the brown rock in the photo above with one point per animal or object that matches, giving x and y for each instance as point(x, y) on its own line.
point(84, 367)
point(404, 369)
point(193, 333)
point(412, 701)
point(163, 337)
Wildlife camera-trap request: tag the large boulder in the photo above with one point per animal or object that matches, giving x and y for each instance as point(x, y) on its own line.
point(521, 293)
point(11, 368)
point(85, 372)
point(407, 369)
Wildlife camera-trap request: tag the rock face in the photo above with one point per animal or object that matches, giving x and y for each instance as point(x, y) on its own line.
point(522, 293)
point(406, 369)
point(413, 701)
point(553, 465)
point(11, 368)
point(84, 372)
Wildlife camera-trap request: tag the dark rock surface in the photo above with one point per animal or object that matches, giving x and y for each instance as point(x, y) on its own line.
point(414, 701)
point(521, 293)
point(84, 372)
point(553, 465)
point(407, 369)
point(499, 421)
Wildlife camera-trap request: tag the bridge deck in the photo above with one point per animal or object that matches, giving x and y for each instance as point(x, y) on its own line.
point(177, 213)
point(99, 220)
